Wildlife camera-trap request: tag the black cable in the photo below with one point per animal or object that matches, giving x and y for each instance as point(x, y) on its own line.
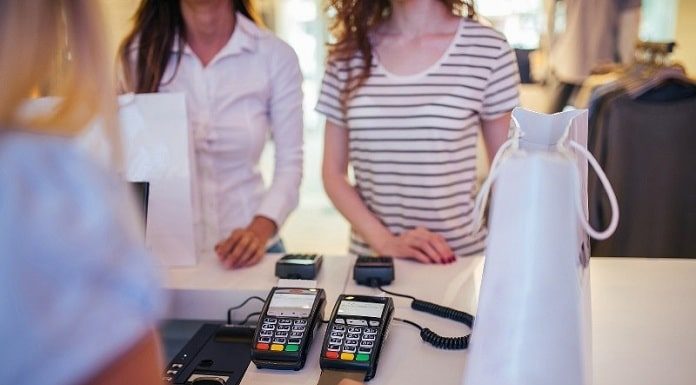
point(395, 294)
point(438, 341)
point(409, 322)
point(254, 314)
point(229, 311)
point(429, 336)
point(443, 311)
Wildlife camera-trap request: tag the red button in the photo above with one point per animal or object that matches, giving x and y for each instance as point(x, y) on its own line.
point(262, 346)
point(332, 355)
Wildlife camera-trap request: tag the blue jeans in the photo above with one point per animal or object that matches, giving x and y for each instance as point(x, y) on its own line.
point(277, 247)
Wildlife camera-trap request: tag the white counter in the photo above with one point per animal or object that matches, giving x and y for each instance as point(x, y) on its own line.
point(206, 291)
point(405, 359)
point(644, 321)
point(644, 317)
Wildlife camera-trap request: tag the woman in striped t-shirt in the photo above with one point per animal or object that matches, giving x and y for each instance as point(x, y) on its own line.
point(408, 86)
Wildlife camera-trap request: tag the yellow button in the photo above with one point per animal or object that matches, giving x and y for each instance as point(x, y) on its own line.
point(277, 348)
point(347, 356)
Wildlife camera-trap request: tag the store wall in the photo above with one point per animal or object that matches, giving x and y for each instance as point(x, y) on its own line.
point(117, 15)
point(685, 53)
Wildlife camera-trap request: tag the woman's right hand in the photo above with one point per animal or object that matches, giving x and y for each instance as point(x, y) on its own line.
point(419, 244)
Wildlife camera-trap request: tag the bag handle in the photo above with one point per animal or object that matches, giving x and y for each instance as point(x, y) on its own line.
point(482, 197)
point(614, 222)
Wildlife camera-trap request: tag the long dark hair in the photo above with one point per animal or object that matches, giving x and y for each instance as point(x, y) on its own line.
point(156, 25)
point(352, 23)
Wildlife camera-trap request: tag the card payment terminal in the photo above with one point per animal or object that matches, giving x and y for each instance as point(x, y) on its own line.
point(286, 327)
point(355, 333)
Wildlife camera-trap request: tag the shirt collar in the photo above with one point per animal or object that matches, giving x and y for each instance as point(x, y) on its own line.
point(243, 39)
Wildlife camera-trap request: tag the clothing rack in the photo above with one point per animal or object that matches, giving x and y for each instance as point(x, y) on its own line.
point(654, 53)
point(641, 133)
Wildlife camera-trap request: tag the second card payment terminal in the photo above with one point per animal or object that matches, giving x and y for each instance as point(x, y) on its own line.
point(286, 327)
point(355, 334)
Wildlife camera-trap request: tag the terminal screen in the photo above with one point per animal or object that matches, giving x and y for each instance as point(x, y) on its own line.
point(361, 309)
point(291, 304)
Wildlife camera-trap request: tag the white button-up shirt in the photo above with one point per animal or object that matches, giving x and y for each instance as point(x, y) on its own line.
point(250, 91)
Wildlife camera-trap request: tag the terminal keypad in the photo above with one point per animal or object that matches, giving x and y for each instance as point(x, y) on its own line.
point(351, 340)
point(281, 334)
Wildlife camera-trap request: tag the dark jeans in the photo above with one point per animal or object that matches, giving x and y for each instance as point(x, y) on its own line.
point(278, 247)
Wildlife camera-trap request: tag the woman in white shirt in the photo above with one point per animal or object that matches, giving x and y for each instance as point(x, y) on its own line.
point(79, 298)
point(408, 86)
point(242, 86)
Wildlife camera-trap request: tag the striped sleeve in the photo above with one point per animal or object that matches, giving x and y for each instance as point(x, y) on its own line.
point(329, 102)
point(501, 94)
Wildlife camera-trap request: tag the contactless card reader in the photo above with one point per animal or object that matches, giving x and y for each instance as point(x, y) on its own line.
point(286, 327)
point(373, 271)
point(298, 266)
point(355, 334)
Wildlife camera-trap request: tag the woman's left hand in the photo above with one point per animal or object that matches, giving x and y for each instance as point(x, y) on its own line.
point(246, 247)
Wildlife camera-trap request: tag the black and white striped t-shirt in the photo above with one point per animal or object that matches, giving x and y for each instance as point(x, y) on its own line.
point(413, 138)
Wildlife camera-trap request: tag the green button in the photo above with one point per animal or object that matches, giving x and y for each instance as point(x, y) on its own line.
point(292, 348)
point(362, 357)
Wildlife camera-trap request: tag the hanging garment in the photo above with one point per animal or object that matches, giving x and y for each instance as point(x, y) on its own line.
point(645, 147)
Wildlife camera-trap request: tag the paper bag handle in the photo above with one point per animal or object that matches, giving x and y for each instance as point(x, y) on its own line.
point(614, 222)
point(482, 197)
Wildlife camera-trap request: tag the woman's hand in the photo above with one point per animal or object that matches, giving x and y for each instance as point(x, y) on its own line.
point(419, 244)
point(246, 247)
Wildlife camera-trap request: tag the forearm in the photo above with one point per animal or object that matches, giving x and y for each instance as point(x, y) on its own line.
point(495, 133)
point(264, 227)
point(287, 129)
point(346, 199)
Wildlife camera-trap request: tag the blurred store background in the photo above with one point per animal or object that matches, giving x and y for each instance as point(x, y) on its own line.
point(315, 225)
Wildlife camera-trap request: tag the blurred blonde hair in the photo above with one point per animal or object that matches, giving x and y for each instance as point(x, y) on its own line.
point(59, 43)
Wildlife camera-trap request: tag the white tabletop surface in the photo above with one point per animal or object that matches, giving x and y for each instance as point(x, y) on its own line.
point(644, 321)
point(207, 290)
point(453, 286)
point(643, 310)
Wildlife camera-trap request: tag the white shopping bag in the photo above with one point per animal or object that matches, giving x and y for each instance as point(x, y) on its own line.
point(156, 150)
point(533, 325)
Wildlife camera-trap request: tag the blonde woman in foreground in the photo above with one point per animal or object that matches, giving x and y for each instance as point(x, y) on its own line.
point(79, 301)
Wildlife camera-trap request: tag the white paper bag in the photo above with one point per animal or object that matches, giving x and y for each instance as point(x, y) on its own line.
point(156, 149)
point(533, 325)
